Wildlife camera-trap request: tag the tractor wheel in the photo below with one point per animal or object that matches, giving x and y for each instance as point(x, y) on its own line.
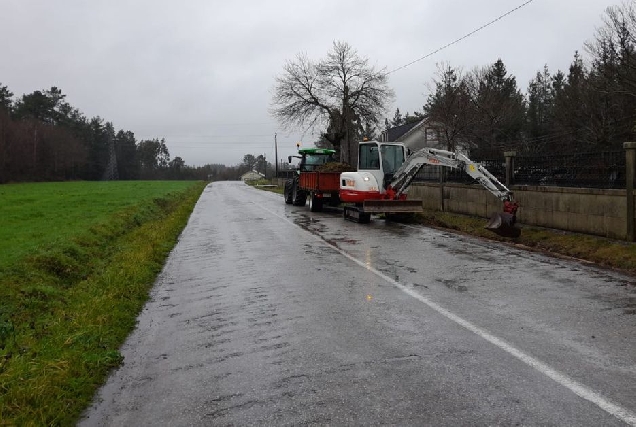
point(315, 202)
point(287, 192)
point(299, 197)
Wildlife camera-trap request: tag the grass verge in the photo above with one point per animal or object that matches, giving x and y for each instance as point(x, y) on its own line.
point(266, 185)
point(66, 308)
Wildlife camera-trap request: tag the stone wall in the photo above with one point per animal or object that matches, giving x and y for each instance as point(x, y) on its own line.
point(589, 211)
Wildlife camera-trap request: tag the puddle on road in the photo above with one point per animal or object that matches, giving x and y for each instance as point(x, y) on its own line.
point(627, 284)
point(335, 240)
point(629, 306)
point(624, 299)
point(309, 223)
point(454, 285)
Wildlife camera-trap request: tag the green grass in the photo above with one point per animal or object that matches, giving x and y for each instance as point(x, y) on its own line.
point(39, 214)
point(70, 292)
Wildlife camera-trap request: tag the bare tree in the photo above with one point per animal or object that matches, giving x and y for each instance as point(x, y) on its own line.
point(612, 79)
point(613, 47)
point(337, 93)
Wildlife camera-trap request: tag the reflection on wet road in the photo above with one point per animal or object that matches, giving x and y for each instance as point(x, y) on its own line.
point(267, 314)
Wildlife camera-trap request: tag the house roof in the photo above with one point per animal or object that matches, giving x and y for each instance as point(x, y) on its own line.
point(394, 133)
point(405, 131)
point(413, 128)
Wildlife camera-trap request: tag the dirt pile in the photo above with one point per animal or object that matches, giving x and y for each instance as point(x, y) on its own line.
point(335, 167)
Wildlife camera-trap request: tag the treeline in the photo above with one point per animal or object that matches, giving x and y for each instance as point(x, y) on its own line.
point(44, 138)
point(591, 107)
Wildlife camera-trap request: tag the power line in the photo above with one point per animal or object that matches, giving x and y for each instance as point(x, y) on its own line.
point(203, 136)
point(462, 38)
point(216, 146)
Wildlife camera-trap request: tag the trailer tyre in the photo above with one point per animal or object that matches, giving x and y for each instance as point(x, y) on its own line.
point(315, 202)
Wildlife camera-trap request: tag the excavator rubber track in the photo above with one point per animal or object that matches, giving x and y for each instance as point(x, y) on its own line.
point(356, 214)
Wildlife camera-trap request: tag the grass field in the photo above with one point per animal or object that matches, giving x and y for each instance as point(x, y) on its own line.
point(39, 214)
point(76, 263)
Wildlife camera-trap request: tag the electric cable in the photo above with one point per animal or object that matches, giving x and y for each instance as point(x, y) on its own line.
point(461, 38)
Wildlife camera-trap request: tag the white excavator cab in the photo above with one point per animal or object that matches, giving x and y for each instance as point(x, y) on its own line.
point(380, 159)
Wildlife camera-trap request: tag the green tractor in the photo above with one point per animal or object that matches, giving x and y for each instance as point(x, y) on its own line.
point(308, 182)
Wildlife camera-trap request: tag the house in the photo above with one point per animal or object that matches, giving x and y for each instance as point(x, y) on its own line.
point(392, 134)
point(416, 135)
point(252, 176)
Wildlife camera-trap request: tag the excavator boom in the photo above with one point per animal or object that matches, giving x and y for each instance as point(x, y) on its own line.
point(432, 156)
point(500, 223)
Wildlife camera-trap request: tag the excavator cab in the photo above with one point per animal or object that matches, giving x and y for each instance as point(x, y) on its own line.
point(380, 159)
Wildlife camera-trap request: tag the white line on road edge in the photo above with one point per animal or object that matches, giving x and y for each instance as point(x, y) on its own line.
point(576, 387)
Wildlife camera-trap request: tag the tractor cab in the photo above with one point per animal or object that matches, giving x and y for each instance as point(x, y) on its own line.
point(312, 158)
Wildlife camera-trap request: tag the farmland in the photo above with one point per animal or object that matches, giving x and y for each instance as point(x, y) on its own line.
point(76, 262)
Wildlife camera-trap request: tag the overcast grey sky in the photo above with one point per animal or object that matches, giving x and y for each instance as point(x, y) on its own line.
point(200, 73)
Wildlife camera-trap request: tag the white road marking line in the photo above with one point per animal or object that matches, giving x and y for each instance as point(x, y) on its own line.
point(577, 388)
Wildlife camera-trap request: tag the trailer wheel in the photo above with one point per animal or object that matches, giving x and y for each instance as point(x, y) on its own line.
point(299, 197)
point(287, 192)
point(315, 202)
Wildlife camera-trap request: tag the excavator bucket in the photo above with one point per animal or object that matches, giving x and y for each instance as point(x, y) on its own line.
point(503, 224)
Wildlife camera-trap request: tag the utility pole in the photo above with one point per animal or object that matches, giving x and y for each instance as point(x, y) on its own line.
point(275, 157)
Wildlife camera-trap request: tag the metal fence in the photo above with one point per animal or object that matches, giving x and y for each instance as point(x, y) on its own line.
point(604, 169)
point(432, 173)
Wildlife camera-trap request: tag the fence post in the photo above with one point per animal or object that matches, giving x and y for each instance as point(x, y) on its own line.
point(630, 173)
point(441, 188)
point(510, 167)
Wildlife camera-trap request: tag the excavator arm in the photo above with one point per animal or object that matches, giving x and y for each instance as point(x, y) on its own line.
point(431, 156)
point(500, 223)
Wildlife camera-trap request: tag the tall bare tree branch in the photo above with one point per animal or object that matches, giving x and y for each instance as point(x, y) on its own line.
point(335, 93)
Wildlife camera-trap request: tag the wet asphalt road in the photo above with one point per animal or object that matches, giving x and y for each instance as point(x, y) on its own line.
point(267, 314)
